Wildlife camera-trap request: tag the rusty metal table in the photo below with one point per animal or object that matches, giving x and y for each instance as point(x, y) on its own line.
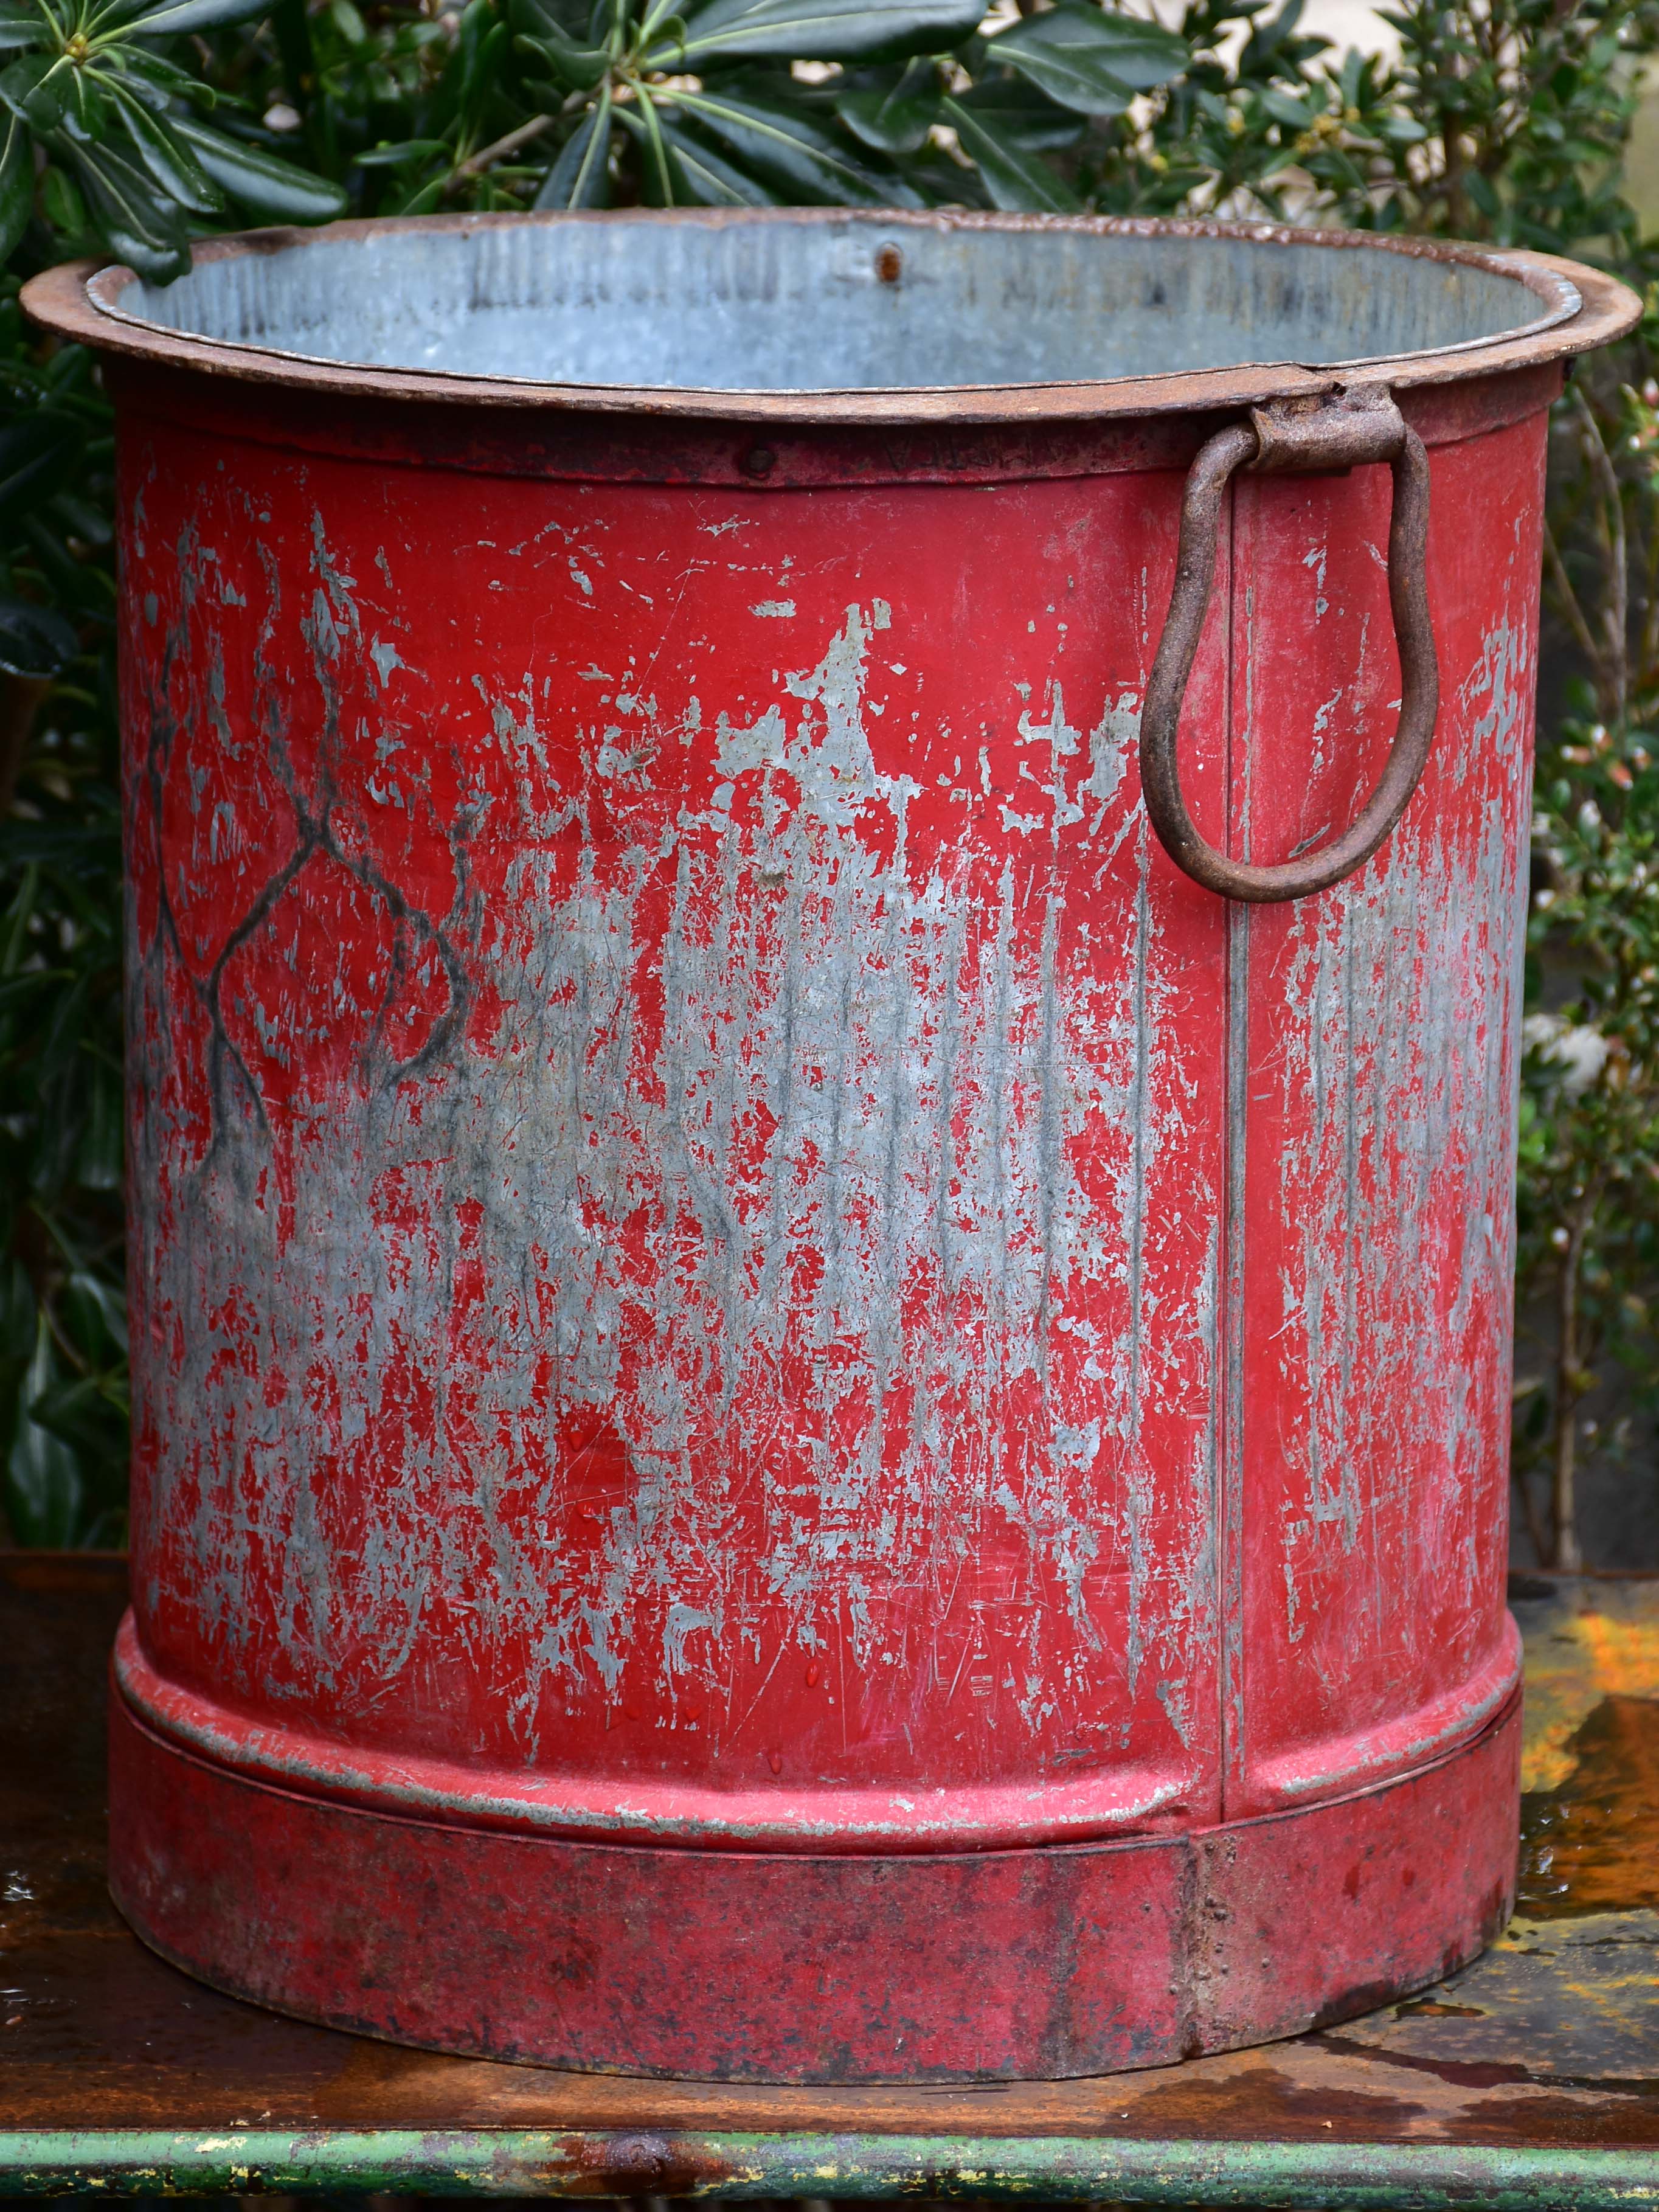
point(1531, 2078)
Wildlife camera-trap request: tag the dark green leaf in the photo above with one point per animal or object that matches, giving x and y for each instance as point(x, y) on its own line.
point(39, 452)
point(20, 914)
point(170, 162)
point(45, 1490)
point(703, 177)
point(99, 1157)
point(1015, 179)
point(796, 153)
point(29, 983)
point(659, 179)
point(1017, 112)
point(63, 202)
point(259, 181)
point(16, 184)
point(398, 156)
point(94, 1315)
point(1273, 44)
point(425, 199)
point(17, 1312)
point(484, 45)
point(893, 111)
point(153, 77)
point(827, 30)
point(79, 590)
point(34, 641)
point(80, 517)
point(17, 32)
point(572, 68)
point(573, 19)
point(60, 1052)
point(161, 263)
point(88, 111)
point(173, 16)
point(577, 67)
point(1089, 60)
point(37, 88)
point(581, 177)
point(145, 233)
point(84, 849)
point(88, 1413)
point(706, 180)
point(1284, 108)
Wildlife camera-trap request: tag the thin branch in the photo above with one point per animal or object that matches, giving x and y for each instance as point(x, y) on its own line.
point(1536, 1533)
point(1570, 1385)
point(475, 164)
point(1570, 603)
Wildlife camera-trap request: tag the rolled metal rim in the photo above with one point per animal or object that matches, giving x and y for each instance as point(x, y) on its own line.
point(1579, 308)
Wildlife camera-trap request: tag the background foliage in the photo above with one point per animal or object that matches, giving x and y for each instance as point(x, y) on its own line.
point(135, 128)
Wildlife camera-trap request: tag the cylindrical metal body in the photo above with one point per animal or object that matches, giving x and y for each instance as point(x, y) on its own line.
point(797, 1415)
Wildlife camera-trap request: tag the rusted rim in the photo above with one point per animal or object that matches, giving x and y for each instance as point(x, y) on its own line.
point(1579, 308)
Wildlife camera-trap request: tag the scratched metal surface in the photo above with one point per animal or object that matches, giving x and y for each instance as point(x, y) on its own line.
point(855, 302)
point(724, 1253)
point(794, 1035)
point(639, 965)
point(1528, 2081)
point(678, 1173)
point(724, 1250)
point(1373, 1105)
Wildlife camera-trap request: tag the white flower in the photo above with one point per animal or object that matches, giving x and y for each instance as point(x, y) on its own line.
point(1579, 1051)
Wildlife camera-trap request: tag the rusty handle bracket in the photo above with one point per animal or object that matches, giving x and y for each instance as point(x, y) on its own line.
point(1359, 425)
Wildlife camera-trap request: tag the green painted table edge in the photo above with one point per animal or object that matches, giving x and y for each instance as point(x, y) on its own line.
point(519, 2162)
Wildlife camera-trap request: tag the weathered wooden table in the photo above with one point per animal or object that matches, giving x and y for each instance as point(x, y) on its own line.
point(1532, 2078)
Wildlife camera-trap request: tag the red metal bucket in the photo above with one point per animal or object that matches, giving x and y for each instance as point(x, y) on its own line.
point(821, 1335)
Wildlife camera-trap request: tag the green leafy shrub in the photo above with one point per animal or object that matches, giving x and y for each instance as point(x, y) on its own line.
point(136, 128)
point(1589, 1335)
point(105, 131)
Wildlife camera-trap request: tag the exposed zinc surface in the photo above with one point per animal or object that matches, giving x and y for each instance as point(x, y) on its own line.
point(889, 299)
point(722, 1245)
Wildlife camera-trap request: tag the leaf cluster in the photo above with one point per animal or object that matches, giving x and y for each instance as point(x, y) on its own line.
point(1588, 1332)
point(734, 103)
point(63, 1330)
point(103, 124)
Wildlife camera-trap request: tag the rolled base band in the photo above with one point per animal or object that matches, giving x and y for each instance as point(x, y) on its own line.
point(1040, 1964)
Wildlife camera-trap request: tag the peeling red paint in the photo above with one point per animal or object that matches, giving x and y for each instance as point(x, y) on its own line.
point(765, 1353)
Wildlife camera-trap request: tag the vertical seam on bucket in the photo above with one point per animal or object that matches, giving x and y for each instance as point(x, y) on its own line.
point(1234, 1113)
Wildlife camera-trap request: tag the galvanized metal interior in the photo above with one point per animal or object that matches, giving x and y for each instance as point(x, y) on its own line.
point(797, 301)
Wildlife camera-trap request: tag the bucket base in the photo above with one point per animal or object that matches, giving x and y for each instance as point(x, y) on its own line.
point(1041, 1963)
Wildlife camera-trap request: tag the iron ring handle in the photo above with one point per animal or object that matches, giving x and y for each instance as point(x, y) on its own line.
point(1360, 426)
